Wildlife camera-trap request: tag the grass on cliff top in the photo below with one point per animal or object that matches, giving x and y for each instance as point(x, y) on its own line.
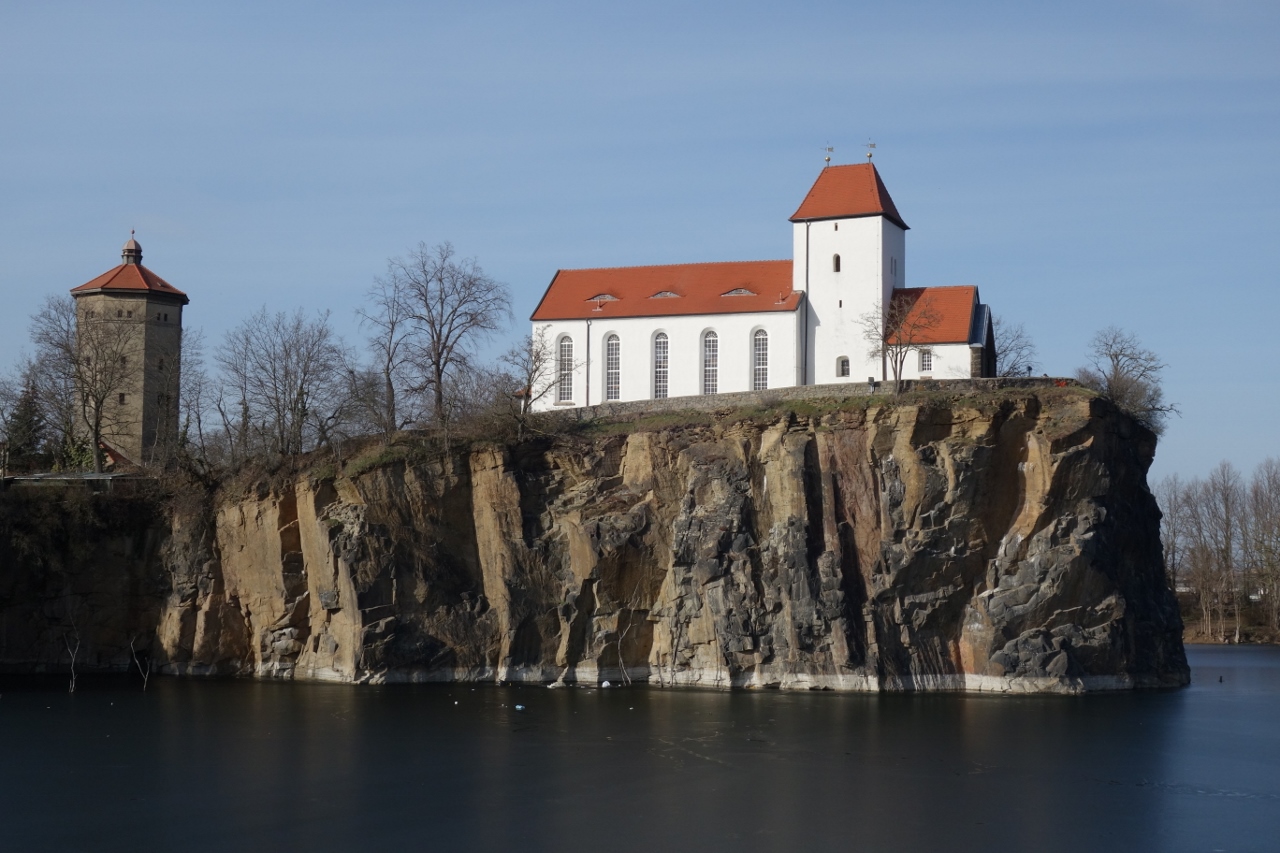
point(816, 408)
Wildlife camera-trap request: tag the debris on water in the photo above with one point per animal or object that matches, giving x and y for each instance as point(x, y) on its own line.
point(519, 707)
point(606, 684)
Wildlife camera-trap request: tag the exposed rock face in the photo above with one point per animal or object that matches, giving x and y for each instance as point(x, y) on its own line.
point(79, 574)
point(1005, 544)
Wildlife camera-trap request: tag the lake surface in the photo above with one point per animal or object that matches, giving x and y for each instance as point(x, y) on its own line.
point(200, 765)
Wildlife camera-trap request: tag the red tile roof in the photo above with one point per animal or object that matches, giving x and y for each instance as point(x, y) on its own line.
point(842, 192)
point(953, 306)
point(697, 288)
point(131, 278)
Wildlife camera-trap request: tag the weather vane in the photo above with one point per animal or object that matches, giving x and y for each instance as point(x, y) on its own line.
point(871, 150)
point(829, 151)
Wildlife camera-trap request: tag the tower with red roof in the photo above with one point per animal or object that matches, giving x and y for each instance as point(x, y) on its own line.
point(148, 311)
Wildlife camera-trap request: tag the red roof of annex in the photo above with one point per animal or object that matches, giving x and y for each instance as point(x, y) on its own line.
point(952, 307)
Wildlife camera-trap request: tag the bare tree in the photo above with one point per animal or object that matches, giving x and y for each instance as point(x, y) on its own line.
point(390, 317)
point(905, 327)
point(96, 357)
point(532, 364)
point(452, 307)
point(144, 671)
point(1172, 495)
point(196, 395)
point(1263, 541)
point(283, 386)
point(1128, 373)
point(1016, 353)
point(1222, 503)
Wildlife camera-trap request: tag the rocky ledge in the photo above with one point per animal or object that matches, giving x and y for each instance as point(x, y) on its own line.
point(1002, 541)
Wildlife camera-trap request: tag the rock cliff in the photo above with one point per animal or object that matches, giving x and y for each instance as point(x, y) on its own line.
point(1001, 541)
point(997, 542)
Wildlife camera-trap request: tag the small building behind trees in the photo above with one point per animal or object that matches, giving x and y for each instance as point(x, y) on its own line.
point(129, 348)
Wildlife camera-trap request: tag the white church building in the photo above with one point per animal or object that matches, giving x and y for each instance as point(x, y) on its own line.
point(638, 333)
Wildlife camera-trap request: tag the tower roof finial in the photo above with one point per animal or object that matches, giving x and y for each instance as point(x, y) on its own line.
point(132, 252)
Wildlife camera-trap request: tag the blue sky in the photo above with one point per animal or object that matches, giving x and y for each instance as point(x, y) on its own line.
point(1085, 164)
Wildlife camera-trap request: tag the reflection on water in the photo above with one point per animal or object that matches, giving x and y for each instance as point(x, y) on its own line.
point(197, 765)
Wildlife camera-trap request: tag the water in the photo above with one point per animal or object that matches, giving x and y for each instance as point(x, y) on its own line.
point(193, 765)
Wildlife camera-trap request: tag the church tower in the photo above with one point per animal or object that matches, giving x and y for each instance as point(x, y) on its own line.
point(138, 316)
point(849, 257)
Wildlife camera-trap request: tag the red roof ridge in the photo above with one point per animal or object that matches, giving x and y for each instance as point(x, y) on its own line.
point(570, 295)
point(660, 266)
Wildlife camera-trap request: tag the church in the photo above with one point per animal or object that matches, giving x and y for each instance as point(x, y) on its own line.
point(640, 333)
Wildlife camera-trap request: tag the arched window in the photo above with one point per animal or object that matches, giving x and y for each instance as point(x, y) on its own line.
point(660, 366)
point(760, 360)
point(564, 371)
point(835, 263)
point(612, 367)
point(842, 366)
point(710, 363)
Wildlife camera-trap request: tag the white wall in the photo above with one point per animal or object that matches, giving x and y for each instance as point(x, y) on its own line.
point(950, 361)
point(684, 346)
point(872, 254)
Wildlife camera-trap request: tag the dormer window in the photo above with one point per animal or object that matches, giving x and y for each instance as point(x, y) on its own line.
point(665, 294)
point(739, 291)
point(603, 297)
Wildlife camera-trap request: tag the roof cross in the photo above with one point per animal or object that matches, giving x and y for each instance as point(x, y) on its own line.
point(829, 151)
point(871, 149)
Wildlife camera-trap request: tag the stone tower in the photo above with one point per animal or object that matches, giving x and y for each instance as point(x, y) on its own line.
point(139, 316)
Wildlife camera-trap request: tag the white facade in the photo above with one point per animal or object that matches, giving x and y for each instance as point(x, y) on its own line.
point(637, 376)
point(871, 253)
point(848, 258)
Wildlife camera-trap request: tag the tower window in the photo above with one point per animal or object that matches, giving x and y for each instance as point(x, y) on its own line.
point(842, 366)
point(710, 363)
point(837, 228)
point(128, 315)
point(120, 400)
point(160, 363)
point(166, 318)
point(119, 312)
point(926, 360)
point(760, 360)
point(660, 366)
point(564, 371)
point(612, 367)
point(835, 263)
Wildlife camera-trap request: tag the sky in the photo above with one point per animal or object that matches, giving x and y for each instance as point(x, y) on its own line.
point(1085, 164)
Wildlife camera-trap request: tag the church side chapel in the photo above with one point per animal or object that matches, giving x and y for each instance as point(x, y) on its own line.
point(641, 333)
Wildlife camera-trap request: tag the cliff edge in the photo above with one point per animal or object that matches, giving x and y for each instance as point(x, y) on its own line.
point(999, 542)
